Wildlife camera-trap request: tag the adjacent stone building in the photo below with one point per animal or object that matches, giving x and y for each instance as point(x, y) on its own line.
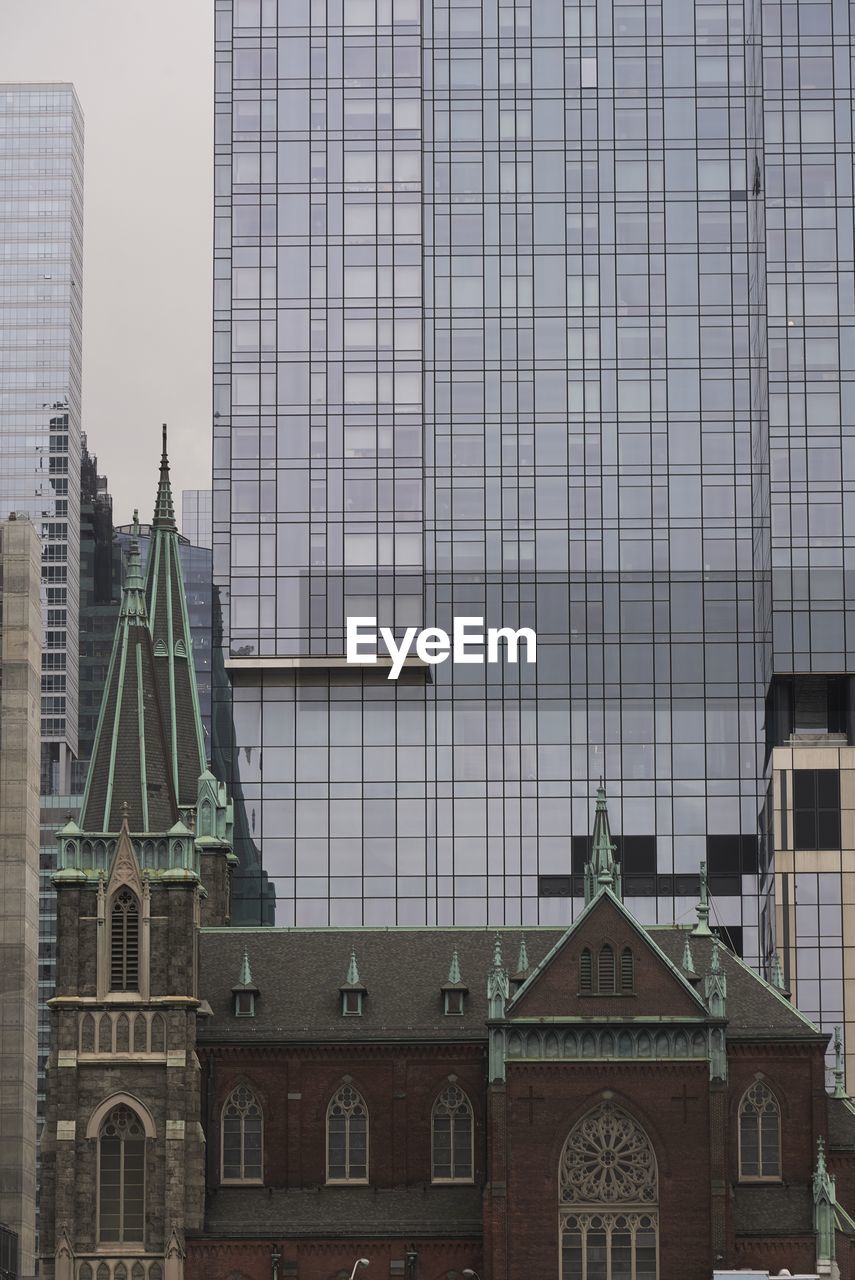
point(20, 667)
point(606, 1101)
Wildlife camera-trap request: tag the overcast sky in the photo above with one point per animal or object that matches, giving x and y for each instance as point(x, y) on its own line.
point(143, 70)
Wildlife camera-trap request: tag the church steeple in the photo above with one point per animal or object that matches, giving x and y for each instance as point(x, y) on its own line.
point(602, 871)
point(173, 651)
point(128, 765)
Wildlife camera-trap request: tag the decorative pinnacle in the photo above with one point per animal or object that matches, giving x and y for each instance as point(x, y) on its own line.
point(352, 971)
point(777, 973)
point(602, 872)
point(715, 962)
point(702, 928)
point(125, 810)
point(821, 1168)
point(454, 969)
point(688, 960)
point(523, 965)
point(498, 962)
point(164, 510)
point(245, 978)
point(839, 1068)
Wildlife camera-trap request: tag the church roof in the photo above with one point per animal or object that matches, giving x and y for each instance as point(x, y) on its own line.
point(841, 1124)
point(173, 652)
point(454, 1212)
point(298, 974)
point(128, 765)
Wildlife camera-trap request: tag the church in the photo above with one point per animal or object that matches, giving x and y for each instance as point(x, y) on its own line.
point(609, 1101)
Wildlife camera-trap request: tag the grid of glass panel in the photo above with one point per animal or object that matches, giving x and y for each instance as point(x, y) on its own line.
point(490, 311)
point(41, 281)
point(196, 516)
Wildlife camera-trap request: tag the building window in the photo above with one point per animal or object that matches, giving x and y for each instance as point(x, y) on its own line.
point(244, 1004)
point(759, 1135)
point(452, 1136)
point(627, 971)
point(606, 970)
point(125, 942)
point(242, 1143)
point(121, 1178)
point(608, 1199)
point(453, 1002)
point(586, 972)
point(351, 1003)
point(816, 809)
point(347, 1137)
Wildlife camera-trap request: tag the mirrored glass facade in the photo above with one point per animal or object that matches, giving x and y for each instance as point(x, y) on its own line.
point(196, 517)
point(491, 338)
point(41, 283)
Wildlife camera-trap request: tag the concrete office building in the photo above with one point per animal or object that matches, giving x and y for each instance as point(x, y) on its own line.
point(541, 312)
point(41, 282)
point(20, 666)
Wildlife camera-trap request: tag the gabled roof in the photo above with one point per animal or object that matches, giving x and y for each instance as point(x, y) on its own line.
point(605, 901)
point(166, 601)
point(299, 972)
point(127, 773)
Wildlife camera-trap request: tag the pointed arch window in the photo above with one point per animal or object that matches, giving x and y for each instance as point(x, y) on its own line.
point(627, 970)
point(608, 1199)
point(759, 1135)
point(125, 942)
point(347, 1137)
point(121, 1177)
point(242, 1137)
point(606, 969)
point(451, 1133)
point(586, 972)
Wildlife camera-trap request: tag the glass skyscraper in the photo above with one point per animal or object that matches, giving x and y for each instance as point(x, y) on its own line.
point(537, 312)
point(196, 516)
point(41, 283)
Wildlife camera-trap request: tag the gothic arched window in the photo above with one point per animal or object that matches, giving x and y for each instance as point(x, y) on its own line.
point(759, 1134)
point(451, 1128)
point(608, 1199)
point(627, 970)
point(586, 972)
point(606, 970)
point(243, 1126)
point(125, 942)
point(347, 1137)
point(121, 1177)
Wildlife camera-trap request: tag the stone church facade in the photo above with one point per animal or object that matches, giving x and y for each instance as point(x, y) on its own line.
point(609, 1101)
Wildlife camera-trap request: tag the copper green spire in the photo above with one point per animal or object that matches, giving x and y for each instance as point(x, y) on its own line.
point(824, 1208)
point(688, 959)
point(602, 871)
point(839, 1068)
point(523, 965)
point(702, 928)
point(454, 969)
point(164, 510)
point(778, 981)
point(352, 979)
point(133, 599)
point(245, 978)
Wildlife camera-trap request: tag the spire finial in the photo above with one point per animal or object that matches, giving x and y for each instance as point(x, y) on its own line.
point(454, 968)
point(353, 970)
point(245, 978)
point(523, 965)
point(778, 981)
point(498, 962)
point(164, 511)
point(688, 958)
point(125, 809)
point(839, 1066)
point(715, 962)
point(702, 928)
point(602, 871)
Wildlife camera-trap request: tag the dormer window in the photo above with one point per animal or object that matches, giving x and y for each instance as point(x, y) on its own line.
point(627, 971)
point(454, 1002)
point(351, 1003)
point(244, 1004)
point(606, 973)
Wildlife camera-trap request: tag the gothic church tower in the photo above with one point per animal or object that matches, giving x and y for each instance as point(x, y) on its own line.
point(123, 1162)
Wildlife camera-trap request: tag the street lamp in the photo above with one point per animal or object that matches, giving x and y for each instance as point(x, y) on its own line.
point(360, 1262)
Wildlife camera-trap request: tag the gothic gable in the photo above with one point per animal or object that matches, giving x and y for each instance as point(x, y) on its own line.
point(606, 965)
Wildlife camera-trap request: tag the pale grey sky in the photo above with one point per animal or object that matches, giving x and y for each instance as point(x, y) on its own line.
point(143, 70)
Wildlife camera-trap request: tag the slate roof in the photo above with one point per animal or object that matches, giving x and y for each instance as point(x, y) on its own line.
point(360, 1212)
point(841, 1124)
point(299, 973)
point(774, 1210)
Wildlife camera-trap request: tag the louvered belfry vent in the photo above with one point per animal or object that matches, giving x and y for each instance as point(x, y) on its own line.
point(125, 943)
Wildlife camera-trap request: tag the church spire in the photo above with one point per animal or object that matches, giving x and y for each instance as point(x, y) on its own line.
point(129, 754)
point(164, 509)
point(602, 871)
point(173, 647)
